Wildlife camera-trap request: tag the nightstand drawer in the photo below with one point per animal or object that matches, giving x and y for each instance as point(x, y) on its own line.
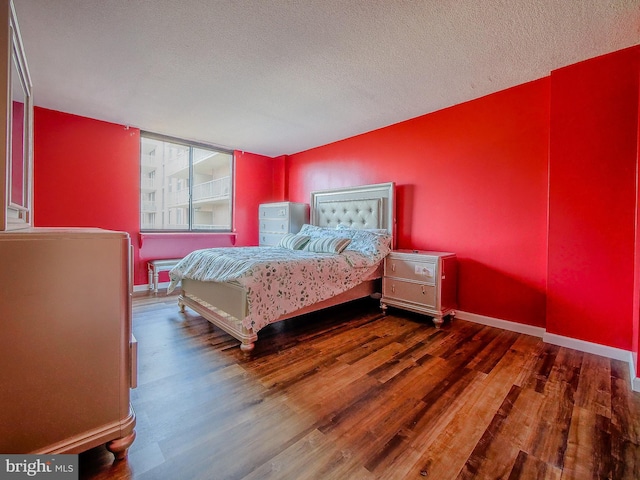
point(418, 293)
point(424, 272)
point(280, 226)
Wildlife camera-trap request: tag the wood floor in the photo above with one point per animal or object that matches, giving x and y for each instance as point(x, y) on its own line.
point(351, 394)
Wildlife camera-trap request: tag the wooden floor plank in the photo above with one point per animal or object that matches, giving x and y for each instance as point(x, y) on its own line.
point(350, 393)
point(460, 435)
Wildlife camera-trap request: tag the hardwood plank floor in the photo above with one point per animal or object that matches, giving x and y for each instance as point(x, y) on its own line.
point(351, 394)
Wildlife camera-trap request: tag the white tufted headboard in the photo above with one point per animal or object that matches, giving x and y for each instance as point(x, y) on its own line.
point(367, 206)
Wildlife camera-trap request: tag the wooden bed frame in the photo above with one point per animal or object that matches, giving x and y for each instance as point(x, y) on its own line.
point(225, 304)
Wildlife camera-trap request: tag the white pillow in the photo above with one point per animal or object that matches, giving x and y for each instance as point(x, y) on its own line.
point(293, 241)
point(327, 244)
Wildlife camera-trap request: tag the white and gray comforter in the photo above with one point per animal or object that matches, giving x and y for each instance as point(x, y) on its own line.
point(279, 281)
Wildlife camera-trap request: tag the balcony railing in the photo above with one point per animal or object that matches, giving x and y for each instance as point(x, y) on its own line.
point(149, 207)
point(202, 226)
point(148, 183)
point(217, 189)
point(150, 160)
point(180, 162)
point(180, 197)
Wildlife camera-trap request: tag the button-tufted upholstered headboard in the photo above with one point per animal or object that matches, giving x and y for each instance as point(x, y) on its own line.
point(367, 206)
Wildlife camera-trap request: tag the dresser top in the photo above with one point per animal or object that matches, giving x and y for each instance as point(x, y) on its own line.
point(278, 204)
point(422, 252)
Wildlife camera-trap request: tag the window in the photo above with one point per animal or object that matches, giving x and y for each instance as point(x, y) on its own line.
point(184, 186)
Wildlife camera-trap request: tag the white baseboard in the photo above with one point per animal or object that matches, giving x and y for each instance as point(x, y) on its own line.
point(575, 344)
point(502, 324)
point(587, 347)
point(633, 368)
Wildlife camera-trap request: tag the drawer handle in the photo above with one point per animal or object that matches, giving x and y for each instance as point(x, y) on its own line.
point(282, 227)
point(393, 288)
point(423, 292)
point(393, 267)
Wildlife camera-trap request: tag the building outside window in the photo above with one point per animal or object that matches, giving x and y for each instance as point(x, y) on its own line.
point(184, 186)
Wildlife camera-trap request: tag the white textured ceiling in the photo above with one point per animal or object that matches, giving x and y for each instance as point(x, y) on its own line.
point(281, 76)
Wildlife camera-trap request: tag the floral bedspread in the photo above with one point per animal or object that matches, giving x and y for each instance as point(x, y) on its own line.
point(278, 280)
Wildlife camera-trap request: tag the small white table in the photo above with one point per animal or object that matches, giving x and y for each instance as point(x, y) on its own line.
point(154, 267)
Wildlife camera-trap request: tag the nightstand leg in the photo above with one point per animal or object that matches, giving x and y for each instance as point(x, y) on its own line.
point(383, 307)
point(438, 320)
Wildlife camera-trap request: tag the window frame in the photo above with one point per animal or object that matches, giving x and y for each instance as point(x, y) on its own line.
point(190, 180)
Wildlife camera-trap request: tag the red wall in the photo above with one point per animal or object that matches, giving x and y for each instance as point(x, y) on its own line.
point(258, 179)
point(471, 179)
point(533, 187)
point(635, 347)
point(86, 174)
point(592, 199)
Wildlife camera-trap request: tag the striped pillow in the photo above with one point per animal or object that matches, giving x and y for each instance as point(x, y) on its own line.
point(327, 244)
point(293, 241)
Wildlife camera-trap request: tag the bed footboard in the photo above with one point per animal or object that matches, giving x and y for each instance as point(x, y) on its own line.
point(230, 306)
point(224, 304)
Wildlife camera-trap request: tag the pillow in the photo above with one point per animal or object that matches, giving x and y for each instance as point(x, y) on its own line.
point(315, 231)
point(327, 244)
point(293, 241)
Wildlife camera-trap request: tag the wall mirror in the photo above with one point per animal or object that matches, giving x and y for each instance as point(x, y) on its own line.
point(18, 150)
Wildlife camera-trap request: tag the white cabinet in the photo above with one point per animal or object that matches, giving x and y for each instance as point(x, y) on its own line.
point(67, 351)
point(277, 219)
point(422, 282)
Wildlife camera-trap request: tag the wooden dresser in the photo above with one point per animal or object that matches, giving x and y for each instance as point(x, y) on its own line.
point(67, 352)
point(277, 219)
point(420, 281)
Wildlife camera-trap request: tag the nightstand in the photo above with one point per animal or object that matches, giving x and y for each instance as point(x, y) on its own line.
point(420, 281)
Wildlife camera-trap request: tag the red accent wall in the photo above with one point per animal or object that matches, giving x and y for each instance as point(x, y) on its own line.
point(592, 199)
point(635, 347)
point(533, 187)
point(258, 179)
point(471, 179)
point(86, 174)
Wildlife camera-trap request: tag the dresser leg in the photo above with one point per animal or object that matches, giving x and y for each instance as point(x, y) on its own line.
point(383, 307)
point(438, 320)
point(120, 446)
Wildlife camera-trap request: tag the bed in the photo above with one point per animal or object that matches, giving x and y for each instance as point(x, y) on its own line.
point(243, 289)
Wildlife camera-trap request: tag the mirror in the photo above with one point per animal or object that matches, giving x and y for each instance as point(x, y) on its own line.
point(18, 148)
point(19, 166)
